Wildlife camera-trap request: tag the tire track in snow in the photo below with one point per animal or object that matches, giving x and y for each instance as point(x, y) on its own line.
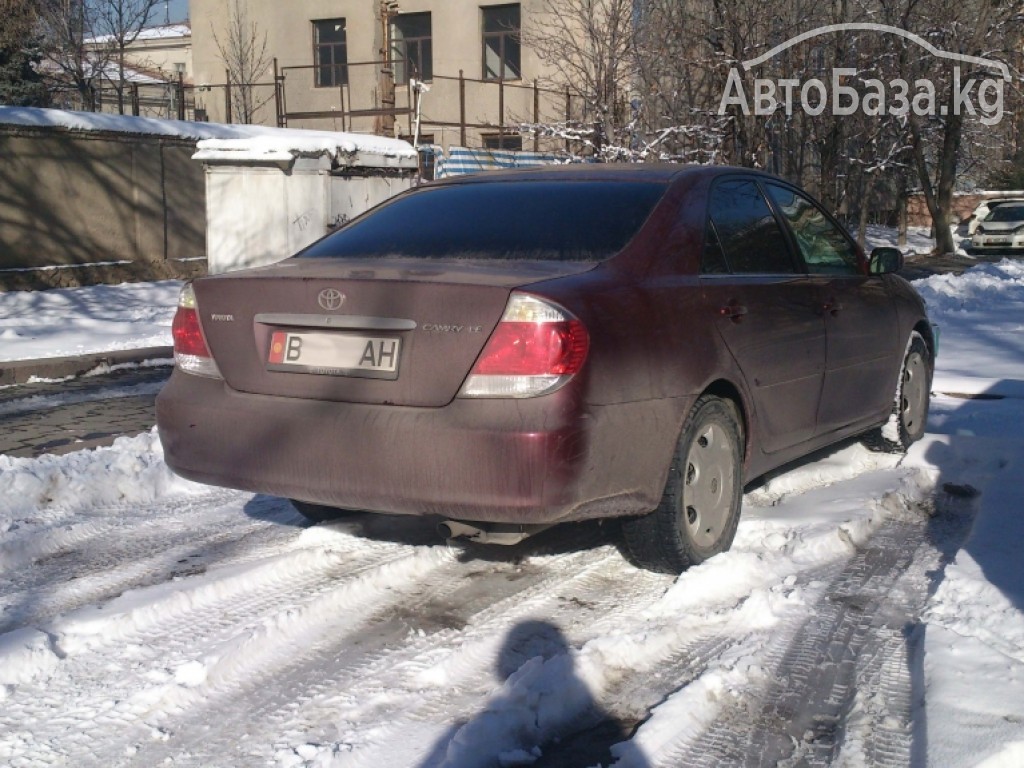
point(122, 552)
point(841, 661)
point(120, 667)
point(418, 726)
point(257, 655)
point(60, 531)
point(462, 614)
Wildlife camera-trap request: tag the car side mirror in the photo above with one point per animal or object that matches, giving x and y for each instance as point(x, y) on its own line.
point(885, 260)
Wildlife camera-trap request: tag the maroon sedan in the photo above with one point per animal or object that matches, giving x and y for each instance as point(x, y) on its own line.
point(512, 350)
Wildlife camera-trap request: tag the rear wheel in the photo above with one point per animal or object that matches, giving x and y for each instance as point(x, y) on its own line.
point(910, 407)
point(700, 509)
point(318, 513)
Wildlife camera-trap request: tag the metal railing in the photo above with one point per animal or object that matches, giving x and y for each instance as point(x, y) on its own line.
point(367, 93)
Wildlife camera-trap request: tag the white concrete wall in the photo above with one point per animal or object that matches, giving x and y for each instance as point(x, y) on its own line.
point(260, 214)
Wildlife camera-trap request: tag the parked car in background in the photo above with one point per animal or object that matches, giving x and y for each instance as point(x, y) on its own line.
point(985, 207)
point(1002, 230)
point(516, 349)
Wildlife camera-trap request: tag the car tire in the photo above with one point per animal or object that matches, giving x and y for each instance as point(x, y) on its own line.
point(318, 513)
point(909, 416)
point(700, 508)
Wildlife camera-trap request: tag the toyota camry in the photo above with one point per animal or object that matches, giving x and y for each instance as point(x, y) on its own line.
point(517, 349)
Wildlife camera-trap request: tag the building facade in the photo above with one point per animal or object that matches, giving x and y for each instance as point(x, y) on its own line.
point(165, 50)
point(359, 65)
point(157, 74)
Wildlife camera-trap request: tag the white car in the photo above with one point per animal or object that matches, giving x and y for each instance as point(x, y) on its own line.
point(985, 207)
point(1001, 230)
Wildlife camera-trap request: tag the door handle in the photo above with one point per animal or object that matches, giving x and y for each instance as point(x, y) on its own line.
point(733, 310)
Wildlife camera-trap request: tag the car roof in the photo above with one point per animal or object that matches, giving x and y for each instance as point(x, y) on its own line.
point(624, 172)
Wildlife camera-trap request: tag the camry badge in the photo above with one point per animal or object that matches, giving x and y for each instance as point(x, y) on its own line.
point(331, 299)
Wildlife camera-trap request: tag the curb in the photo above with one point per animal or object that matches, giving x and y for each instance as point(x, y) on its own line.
point(20, 371)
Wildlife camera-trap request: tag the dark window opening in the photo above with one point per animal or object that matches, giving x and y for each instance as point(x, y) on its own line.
point(750, 236)
point(330, 53)
point(511, 141)
point(502, 49)
point(522, 220)
point(412, 47)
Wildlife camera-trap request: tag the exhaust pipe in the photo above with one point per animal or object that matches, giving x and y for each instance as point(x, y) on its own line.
point(489, 533)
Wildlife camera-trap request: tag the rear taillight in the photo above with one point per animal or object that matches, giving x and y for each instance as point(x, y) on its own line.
point(190, 351)
point(535, 349)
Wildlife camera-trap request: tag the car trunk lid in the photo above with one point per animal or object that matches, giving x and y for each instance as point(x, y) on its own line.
point(387, 331)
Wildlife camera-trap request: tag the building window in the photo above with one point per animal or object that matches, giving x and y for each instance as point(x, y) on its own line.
point(513, 141)
point(501, 24)
point(330, 53)
point(411, 47)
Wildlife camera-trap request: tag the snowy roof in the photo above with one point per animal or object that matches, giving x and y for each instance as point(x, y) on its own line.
point(110, 71)
point(227, 143)
point(284, 145)
point(165, 32)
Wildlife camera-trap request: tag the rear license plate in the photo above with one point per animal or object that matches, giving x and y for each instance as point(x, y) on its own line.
point(334, 354)
point(998, 241)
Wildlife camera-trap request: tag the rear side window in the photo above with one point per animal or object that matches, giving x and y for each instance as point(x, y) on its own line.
point(748, 234)
point(537, 220)
point(825, 249)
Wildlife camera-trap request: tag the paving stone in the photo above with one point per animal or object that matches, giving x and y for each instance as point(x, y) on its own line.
point(86, 412)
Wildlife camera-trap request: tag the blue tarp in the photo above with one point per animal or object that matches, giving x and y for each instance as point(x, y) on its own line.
point(461, 160)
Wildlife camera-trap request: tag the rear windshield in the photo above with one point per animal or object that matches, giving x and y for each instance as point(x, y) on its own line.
point(536, 220)
point(1006, 213)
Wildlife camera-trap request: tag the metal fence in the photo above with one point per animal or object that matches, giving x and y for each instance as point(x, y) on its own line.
point(365, 94)
point(366, 98)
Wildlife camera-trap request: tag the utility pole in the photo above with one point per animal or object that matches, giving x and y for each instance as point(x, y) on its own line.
point(385, 123)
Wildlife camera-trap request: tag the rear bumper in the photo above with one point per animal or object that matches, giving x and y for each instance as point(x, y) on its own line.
point(541, 460)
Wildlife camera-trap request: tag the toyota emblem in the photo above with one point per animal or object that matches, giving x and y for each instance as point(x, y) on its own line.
point(330, 299)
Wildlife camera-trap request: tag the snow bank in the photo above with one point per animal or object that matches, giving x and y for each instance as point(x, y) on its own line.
point(74, 321)
point(979, 289)
point(980, 315)
point(974, 623)
point(973, 636)
point(130, 470)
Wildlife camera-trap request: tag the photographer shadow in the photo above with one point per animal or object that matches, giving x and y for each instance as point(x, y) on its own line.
point(543, 715)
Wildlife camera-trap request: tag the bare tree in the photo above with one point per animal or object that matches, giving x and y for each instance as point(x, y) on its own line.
point(68, 24)
point(980, 28)
point(854, 162)
point(243, 50)
point(87, 42)
point(118, 24)
point(591, 46)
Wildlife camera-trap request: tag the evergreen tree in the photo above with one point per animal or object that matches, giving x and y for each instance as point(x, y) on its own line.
point(21, 83)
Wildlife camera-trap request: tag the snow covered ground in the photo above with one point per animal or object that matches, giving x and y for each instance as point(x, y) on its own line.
point(870, 612)
point(75, 321)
